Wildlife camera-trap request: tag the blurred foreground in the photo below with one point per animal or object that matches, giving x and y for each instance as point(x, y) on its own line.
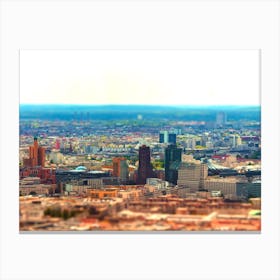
point(162, 213)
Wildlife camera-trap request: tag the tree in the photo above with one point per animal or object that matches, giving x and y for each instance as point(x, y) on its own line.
point(93, 211)
point(158, 164)
point(256, 155)
point(56, 212)
point(65, 214)
point(32, 193)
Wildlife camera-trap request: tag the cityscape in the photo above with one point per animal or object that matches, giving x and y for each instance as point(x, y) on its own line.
point(139, 168)
point(139, 141)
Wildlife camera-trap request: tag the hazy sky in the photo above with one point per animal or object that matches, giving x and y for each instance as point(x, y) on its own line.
point(184, 77)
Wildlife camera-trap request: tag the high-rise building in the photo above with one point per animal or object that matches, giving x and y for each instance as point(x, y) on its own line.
point(192, 175)
point(173, 156)
point(120, 168)
point(163, 136)
point(167, 137)
point(145, 169)
point(37, 155)
point(235, 140)
point(221, 119)
point(172, 138)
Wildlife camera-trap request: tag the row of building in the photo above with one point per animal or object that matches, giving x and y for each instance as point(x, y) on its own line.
point(191, 175)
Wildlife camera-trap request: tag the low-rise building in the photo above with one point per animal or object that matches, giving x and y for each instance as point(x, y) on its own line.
point(36, 189)
point(102, 193)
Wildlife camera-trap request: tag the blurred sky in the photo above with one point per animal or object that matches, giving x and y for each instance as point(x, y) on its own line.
point(160, 77)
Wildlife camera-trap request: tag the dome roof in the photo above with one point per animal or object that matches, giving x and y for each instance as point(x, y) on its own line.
point(81, 168)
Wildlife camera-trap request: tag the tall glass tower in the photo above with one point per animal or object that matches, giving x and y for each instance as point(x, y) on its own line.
point(172, 158)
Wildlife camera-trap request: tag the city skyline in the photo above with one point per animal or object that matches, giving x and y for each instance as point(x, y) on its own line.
point(130, 140)
point(148, 77)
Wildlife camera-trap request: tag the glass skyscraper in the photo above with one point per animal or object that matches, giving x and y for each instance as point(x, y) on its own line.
point(172, 158)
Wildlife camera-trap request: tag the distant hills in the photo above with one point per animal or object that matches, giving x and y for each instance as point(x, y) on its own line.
point(120, 112)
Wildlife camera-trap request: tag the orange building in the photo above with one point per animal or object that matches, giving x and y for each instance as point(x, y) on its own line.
point(37, 155)
point(96, 193)
point(41, 156)
point(120, 168)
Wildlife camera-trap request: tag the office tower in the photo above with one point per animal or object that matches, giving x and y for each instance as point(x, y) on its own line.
point(36, 155)
point(192, 175)
point(163, 136)
point(235, 140)
point(172, 138)
point(167, 137)
point(221, 119)
point(145, 169)
point(120, 168)
point(173, 157)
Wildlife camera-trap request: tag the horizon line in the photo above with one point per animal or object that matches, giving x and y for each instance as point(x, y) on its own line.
point(122, 104)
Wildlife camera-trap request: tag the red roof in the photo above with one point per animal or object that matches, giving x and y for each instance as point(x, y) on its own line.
point(220, 157)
